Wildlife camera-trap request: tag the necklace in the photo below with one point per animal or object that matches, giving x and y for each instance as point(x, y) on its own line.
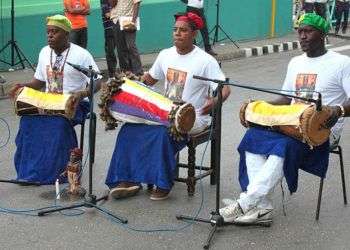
point(56, 66)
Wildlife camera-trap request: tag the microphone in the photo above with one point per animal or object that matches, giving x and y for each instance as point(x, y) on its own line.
point(84, 70)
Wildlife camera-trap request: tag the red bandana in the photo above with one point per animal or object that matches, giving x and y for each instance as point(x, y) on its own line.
point(191, 17)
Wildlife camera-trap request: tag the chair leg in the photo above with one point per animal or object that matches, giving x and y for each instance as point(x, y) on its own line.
point(177, 163)
point(342, 174)
point(319, 199)
point(191, 182)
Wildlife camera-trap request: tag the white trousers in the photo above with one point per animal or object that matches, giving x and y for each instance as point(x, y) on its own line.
point(264, 173)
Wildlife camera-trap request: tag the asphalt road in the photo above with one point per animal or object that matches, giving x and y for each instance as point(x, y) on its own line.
point(95, 230)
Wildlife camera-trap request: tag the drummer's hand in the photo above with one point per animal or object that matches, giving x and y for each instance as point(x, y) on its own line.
point(208, 106)
point(76, 97)
point(13, 90)
point(332, 120)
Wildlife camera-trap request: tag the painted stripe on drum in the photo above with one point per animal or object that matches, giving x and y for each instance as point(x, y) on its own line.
point(138, 102)
point(132, 119)
point(147, 94)
point(137, 112)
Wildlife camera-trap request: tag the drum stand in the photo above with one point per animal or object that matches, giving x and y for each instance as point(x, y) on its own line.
point(216, 220)
point(91, 201)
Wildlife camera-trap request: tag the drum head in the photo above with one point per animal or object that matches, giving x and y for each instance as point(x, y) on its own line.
point(311, 123)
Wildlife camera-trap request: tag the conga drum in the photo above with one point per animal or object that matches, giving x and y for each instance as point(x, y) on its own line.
point(300, 121)
point(29, 101)
point(134, 102)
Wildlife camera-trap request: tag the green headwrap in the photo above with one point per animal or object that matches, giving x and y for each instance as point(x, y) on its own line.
point(60, 22)
point(315, 21)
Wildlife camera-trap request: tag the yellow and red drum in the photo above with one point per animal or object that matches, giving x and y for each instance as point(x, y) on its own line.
point(300, 121)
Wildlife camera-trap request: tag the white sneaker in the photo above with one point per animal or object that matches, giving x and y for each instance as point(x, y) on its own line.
point(254, 216)
point(228, 201)
point(231, 212)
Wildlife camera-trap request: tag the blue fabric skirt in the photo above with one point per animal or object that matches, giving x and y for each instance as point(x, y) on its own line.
point(297, 155)
point(144, 154)
point(43, 144)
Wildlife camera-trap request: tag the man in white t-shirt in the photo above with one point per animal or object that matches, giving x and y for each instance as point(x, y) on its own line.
point(44, 142)
point(266, 156)
point(130, 166)
point(197, 6)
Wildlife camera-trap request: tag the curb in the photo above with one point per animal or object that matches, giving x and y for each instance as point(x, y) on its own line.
point(269, 49)
point(249, 52)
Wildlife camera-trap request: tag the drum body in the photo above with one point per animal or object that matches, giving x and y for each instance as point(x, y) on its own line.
point(29, 101)
point(136, 103)
point(299, 121)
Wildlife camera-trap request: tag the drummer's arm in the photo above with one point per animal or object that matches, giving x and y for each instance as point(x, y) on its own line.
point(86, 92)
point(212, 101)
point(283, 100)
point(148, 79)
point(346, 107)
point(34, 84)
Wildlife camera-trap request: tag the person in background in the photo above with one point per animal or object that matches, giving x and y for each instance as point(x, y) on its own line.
point(197, 6)
point(317, 6)
point(341, 9)
point(125, 34)
point(76, 11)
point(110, 44)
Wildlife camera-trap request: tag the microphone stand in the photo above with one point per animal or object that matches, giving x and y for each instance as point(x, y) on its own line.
point(218, 27)
point(216, 220)
point(12, 44)
point(92, 200)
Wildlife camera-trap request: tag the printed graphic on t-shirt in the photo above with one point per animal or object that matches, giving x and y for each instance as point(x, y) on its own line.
point(176, 82)
point(305, 85)
point(54, 80)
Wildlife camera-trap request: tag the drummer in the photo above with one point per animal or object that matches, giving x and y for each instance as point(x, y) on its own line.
point(146, 153)
point(43, 142)
point(267, 156)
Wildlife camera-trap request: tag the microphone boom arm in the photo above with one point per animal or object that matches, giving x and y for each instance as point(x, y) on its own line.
point(318, 102)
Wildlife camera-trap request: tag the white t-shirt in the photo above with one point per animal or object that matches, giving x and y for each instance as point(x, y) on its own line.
point(173, 67)
point(195, 3)
point(328, 74)
point(73, 80)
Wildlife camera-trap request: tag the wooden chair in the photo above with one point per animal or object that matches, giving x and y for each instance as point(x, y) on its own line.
point(334, 149)
point(209, 134)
